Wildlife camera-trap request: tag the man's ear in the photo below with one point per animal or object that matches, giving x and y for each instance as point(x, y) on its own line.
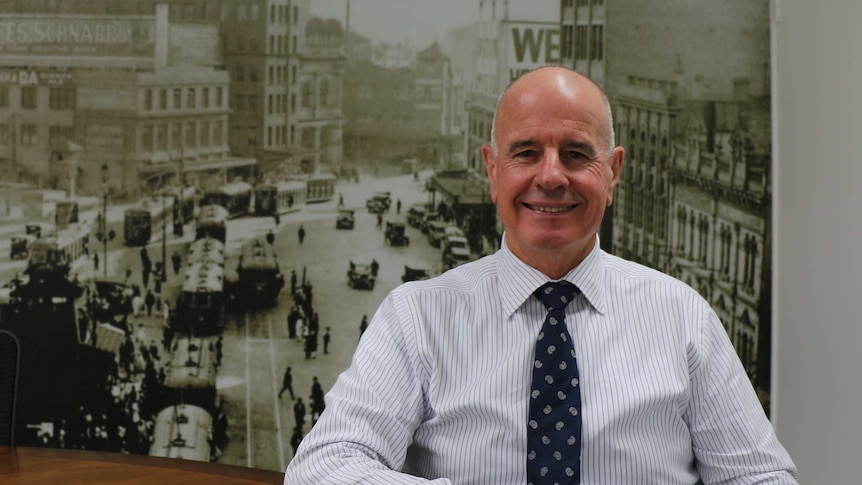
point(490, 156)
point(615, 163)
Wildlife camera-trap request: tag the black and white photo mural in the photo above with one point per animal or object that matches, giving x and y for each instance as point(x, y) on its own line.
point(203, 202)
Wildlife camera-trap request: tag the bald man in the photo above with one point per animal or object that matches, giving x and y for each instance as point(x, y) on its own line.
point(442, 386)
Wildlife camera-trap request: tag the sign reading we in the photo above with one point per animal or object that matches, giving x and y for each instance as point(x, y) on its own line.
point(533, 44)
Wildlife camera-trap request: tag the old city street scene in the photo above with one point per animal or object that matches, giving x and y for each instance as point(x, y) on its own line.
point(203, 202)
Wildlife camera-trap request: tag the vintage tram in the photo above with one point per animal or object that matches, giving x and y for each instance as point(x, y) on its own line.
point(149, 216)
point(190, 374)
point(211, 222)
point(279, 197)
point(200, 307)
point(236, 197)
point(183, 431)
point(259, 279)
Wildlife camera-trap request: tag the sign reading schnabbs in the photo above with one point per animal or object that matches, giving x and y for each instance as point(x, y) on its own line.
point(75, 35)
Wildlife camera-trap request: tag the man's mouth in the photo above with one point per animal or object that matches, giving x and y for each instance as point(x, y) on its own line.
point(550, 209)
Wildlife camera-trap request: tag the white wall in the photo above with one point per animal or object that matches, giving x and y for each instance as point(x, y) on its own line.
point(817, 96)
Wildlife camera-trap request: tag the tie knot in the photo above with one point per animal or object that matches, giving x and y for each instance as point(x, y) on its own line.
point(555, 295)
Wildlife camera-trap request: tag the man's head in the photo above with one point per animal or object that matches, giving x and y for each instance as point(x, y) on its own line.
point(552, 166)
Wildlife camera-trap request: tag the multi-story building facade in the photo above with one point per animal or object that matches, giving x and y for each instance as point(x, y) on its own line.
point(90, 97)
point(676, 98)
point(318, 116)
point(259, 43)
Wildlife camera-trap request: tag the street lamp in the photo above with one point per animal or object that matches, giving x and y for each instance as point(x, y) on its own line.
point(164, 275)
point(104, 234)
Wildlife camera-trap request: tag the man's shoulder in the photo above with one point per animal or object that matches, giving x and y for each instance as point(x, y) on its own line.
point(466, 278)
point(636, 273)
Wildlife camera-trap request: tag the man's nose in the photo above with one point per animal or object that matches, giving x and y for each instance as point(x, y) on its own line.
point(551, 171)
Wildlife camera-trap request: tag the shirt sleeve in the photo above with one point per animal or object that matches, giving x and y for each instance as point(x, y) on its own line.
point(733, 441)
point(371, 412)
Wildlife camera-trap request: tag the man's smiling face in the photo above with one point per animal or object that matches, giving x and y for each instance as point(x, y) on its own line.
point(551, 174)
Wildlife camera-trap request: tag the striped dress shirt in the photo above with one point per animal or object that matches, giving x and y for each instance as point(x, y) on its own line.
point(437, 392)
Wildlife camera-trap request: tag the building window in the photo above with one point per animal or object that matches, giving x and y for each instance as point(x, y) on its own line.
point(581, 42)
point(566, 41)
point(292, 74)
point(147, 138)
point(205, 134)
point(252, 74)
point(148, 100)
point(190, 136)
point(240, 73)
point(162, 137)
point(238, 102)
point(306, 95)
point(219, 100)
point(295, 14)
point(4, 133)
point(178, 98)
point(28, 97)
point(28, 135)
point(163, 99)
point(190, 98)
point(252, 102)
point(293, 44)
point(271, 44)
point(268, 136)
point(292, 103)
point(325, 93)
point(176, 136)
point(4, 96)
point(271, 75)
point(61, 98)
point(205, 97)
point(272, 14)
point(597, 46)
point(217, 134)
point(270, 103)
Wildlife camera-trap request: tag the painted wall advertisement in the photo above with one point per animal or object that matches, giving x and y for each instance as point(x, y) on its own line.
point(77, 36)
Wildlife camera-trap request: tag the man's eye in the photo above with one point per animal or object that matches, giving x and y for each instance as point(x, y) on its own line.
point(526, 154)
point(575, 156)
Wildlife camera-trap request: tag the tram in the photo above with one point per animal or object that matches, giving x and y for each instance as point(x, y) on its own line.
point(206, 250)
point(280, 197)
point(259, 277)
point(190, 375)
point(141, 221)
point(235, 197)
point(212, 222)
point(183, 431)
point(55, 254)
point(200, 308)
point(320, 187)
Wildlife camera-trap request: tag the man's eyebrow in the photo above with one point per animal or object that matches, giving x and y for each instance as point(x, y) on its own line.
point(586, 148)
point(519, 144)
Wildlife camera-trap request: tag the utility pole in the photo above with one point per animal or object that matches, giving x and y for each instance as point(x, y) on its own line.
point(104, 220)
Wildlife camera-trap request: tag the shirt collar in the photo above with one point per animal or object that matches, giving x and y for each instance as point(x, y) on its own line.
point(518, 280)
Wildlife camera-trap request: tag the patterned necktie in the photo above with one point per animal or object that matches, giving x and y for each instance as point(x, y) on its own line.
point(554, 429)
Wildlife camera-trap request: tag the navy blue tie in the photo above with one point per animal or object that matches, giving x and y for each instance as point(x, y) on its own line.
point(554, 428)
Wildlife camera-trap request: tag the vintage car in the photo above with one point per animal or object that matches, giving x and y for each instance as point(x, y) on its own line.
point(436, 232)
point(415, 215)
point(20, 247)
point(345, 219)
point(415, 271)
point(379, 202)
point(456, 251)
point(427, 219)
point(394, 234)
point(360, 275)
